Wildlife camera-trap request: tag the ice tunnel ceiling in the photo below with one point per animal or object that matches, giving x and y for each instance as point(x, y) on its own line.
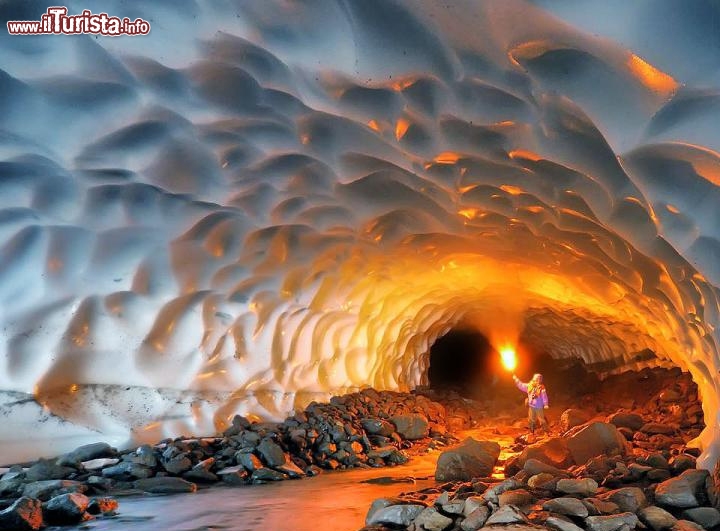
point(262, 203)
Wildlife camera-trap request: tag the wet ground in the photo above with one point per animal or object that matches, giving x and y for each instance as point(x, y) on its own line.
point(338, 498)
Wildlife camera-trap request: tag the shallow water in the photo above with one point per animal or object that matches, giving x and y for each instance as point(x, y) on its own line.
point(302, 505)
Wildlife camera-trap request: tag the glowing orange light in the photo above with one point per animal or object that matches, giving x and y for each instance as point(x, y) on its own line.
point(372, 124)
point(447, 157)
point(512, 190)
point(509, 358)
point(401, 128)
point(524, 154)
point(650, 76)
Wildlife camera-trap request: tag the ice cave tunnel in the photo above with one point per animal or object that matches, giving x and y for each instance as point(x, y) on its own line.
point(266, 202)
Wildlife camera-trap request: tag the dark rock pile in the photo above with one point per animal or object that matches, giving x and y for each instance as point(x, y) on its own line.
point(623, 469)
point(365, 429)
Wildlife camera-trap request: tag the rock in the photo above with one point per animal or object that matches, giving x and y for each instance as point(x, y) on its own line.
point(681, 463)
point(573, 417)
point(472, 503)
point(543, 481)
point(431, 520)
point(200, 475)
point(611, 522)
point(658, 474)
point(553, 451)
point(475, 520)
point(507, 514)
point(533, 467)
point(454, 507)
point(271, 453)
point(597, 438)
point(100, 483)
point(266, 474)
point(628, 499)
point(249, 461)
point(46, 469)
point(14, 472)
point(657, 460)
point(102, 505)
point(97, 464)
point(178, 464)
point(401, 515)
point(568, 506)
point(233, 475)
point(468, 460)
point(44, 490)
point(581, 487)
point(23, 515)
point(627, 420)
point(493, 493)
point(145, 456)
point(687, 525)
point(682, 491)
point(164, 485)
point(554, 522)
point(517, 497)
point(411, 427)
point(707, 517)
point(66, 509)
point(597, 506)
point(378, 427)
point(127, 471)
point(87, 452)
point(654, 428)
point(656, 518)
point(291, 469)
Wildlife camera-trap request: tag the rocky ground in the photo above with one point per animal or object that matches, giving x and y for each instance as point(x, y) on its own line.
point(604, 445)
point(618, 462)
point(366, 429)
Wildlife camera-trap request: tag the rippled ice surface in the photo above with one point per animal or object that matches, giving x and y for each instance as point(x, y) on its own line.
point(334, 497)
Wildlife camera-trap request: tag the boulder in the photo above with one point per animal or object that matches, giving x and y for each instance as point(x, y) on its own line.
point(46, 469)
point(534, 466)
point(431, 520)
point(655, 428)
point(23, 515)
point(66, 509)
point(493, 493)
point(475, 520)
point(560, 524)
point(469, 459)
point(683, 491)
point(266, 474)
point(378, 427)
point(656, 518)
point(581, 487)
point(517, 497)
point(681, 463)
point(708, 517)
point(164, 485)
point(178, 464)
point(553, 451)
point(44, 490)
point(103, 505)
point(271, 453)
point(687, 525)
point(87, 452)
point(472, 503)
point(573, 417)
point(611, 522)
point(412, 426)
point(628, 499)
point(507, 514)
point(568, 506)
point(127, 471)
point(401, 515)
point(632, 421)
point(597, 438)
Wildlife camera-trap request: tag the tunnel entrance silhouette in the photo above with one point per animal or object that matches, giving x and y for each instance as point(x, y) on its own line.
point(461, 360)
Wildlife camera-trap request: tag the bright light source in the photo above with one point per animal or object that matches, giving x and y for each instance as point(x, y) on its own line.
point(509, 358)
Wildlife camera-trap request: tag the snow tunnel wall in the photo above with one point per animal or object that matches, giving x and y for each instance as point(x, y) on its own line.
point(262, 203)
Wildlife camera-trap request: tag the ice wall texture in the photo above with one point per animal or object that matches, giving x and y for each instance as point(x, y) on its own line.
point(265, 202)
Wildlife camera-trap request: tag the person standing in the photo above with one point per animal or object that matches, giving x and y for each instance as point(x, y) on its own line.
point(537, 400)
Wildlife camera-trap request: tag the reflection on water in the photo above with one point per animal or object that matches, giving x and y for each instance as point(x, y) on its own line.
point(301, 505)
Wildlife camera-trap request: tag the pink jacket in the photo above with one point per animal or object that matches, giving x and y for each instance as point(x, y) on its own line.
point(539, 401)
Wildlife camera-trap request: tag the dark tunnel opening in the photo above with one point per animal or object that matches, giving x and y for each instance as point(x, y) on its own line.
point(462, 360)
